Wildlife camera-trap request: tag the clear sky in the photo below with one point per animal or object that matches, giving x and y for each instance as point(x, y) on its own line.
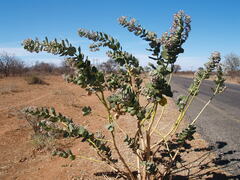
point(215, 25)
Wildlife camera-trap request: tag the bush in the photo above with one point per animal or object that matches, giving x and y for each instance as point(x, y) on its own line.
point(156, 159)
point(33, 79)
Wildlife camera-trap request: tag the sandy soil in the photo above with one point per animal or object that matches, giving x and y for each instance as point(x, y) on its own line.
point(21, 159)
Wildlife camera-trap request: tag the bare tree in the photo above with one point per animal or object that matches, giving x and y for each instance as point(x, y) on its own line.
point(10, 65)
point(176, 68)
point(109, 66)
point(232, 62)
point(44, 67)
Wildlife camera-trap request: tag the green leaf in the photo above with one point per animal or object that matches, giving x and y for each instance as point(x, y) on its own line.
point(110, 127)
point(81, 130)
point(86, 110)
point(165, 55)
point(54, 153)
point(52, 111)
point(72, 157)
point(71, 127)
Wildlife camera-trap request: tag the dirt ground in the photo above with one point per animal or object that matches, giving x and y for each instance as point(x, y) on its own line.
point(22, 159)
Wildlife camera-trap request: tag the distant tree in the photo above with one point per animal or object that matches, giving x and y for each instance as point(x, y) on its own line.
point(232, 62)
point(44, 67)
point(10, 65)
point(109, 66)
point(176, 68)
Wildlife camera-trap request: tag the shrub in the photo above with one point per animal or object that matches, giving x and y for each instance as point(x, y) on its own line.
point(33, 79)
point(155, 158)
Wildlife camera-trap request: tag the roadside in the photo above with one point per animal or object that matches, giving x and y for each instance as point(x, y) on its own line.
point(229, 79)
point(219, 124)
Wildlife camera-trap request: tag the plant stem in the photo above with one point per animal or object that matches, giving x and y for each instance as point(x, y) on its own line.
point(157, 123)
point(153, 116)
point(99, 161)
point(138, 166)
point(121, 158)
point(142, 121)
point(201, 112)
point(90, 159)
point(204, 107)
point(182, 114)
point(115, 122)
point(110, 119)
point(172, 161)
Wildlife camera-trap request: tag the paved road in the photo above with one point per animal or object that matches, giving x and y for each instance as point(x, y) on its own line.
point(220, 122)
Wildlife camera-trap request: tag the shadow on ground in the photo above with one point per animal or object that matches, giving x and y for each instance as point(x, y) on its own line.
point(207, 168)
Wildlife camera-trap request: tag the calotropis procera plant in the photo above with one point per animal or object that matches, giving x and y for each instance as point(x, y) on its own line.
point(156, 157)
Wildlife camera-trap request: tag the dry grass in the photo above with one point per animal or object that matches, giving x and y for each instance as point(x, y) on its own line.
point(41, 141)
point(9, 89)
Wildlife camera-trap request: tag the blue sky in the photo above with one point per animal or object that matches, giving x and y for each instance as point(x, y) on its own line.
point(215, 25)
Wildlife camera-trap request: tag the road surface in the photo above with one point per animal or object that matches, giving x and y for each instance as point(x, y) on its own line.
point(219, 124)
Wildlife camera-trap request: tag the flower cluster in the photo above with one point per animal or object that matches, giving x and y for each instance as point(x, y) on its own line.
point(179, 31)
point(138, 30)
point(63, 48)
point(214, 61)
point(219, 81)
point(202, 74)
point(178, 34)
point(103, 39)
point(181, 102)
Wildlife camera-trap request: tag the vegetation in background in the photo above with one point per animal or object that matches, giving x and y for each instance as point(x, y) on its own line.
point(10, 65)
point(232, 62)
point(109, 66)
point(232, 65)
point(176, 68)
